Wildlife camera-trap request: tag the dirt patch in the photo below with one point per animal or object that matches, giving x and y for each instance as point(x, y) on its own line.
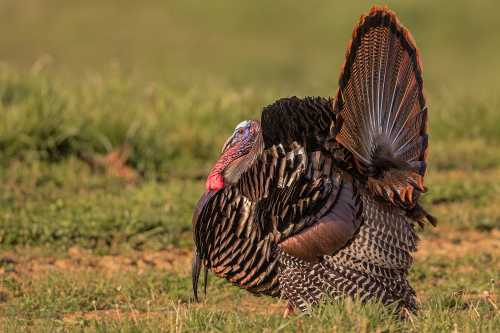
point(454, 244)
point(447, 243)
point(112, 315)
point(114, 164)
point(27, 261)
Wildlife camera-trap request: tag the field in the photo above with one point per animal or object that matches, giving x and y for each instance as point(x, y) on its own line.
point(111, 114)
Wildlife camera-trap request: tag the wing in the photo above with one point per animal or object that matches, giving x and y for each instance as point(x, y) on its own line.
point(382, 113)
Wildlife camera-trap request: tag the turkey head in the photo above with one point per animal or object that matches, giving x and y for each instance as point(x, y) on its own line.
point(239, 151)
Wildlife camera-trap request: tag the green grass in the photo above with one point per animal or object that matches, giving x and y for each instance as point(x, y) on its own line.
point(166, 81)
point(66, 204)
point(137, 298)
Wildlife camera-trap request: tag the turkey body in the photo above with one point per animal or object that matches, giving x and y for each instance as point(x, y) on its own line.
point(324, 203)
point(373, 265)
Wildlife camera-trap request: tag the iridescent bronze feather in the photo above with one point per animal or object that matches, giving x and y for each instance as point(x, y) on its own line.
point(321, 197)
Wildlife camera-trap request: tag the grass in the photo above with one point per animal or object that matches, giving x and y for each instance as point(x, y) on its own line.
point(150, 290)
point(109, 121)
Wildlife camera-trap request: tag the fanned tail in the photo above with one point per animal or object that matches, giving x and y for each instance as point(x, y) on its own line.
point(382, 114)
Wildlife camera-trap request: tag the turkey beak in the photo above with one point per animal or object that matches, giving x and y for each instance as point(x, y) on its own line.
point(195, 274)
point(227, 143)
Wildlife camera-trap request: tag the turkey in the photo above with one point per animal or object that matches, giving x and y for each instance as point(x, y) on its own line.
point(320, 199)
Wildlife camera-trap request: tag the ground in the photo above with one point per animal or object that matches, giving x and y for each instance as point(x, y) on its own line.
point(110, 120)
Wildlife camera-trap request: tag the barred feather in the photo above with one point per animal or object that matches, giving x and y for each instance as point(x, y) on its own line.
point(326, 205)
point(365, 268)
point(382, 107)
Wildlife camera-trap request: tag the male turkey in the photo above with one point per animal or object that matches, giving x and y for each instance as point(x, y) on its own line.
point(321, 197)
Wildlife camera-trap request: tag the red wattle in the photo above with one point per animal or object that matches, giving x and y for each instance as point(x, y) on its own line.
point(214, 182)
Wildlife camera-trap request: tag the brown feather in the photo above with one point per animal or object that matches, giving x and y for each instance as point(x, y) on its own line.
point(381, 107)
point(331, 232)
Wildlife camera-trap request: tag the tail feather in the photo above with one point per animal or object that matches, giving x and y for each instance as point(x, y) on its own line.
point(381, 107)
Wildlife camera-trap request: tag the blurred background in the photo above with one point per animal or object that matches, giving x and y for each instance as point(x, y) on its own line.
point(126, 65)
point(111, 113)
point(284, 44)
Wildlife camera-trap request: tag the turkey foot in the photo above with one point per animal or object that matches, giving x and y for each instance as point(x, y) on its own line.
point(289, 310)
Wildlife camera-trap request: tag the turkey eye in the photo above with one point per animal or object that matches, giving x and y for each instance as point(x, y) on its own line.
point(240, 131)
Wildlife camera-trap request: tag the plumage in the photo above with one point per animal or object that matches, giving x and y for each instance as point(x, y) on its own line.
point(382, 109)
point(321, 198)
